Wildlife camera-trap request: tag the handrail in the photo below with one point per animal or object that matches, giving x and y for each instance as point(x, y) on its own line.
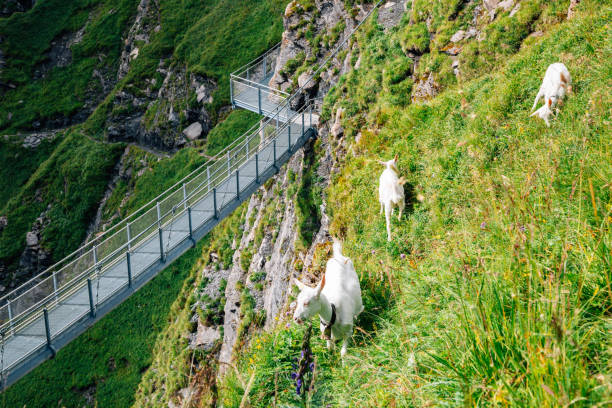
point(140, 212)
point(216, 177)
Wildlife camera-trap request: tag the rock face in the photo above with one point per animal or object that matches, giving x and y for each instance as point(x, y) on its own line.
point(153, 119)
point(329, 15)
point(34, 258)
point(9, 7)
point(144, 23)
point(390, 13)
point(425, 88)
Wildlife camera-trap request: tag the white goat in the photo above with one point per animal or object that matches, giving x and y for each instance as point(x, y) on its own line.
point(557, 82)
point(337, 300)
point(391, 192)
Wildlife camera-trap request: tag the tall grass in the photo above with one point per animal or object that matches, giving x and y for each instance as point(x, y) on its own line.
point(497, 284)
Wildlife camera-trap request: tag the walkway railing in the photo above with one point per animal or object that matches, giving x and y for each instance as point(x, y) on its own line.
point(79, 285)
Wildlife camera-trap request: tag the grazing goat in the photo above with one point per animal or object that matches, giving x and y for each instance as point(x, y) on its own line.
point(557, 82)
point(391, 192)
point(337, 300)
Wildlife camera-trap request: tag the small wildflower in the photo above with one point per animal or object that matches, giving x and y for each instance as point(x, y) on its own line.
point(522, 228)
point(288, 325)
point(483, 225)
point(302, 355)
point(403, 256)
point(312, 366)
point(373, 252)
point(293, 376)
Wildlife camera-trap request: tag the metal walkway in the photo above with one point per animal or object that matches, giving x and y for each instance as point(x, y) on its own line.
point(53, 308)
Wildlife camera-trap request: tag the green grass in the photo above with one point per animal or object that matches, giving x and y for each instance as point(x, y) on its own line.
point(112, 355)
point(28, 36)
point(68, 185)
point(236, 123)
point(19, 163)
point(496, 287)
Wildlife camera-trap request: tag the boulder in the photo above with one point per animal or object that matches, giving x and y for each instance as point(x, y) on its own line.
point(31, 239)
point(193, 131)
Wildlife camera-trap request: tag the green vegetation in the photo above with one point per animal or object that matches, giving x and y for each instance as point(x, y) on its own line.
point(170, 369)
point(309, 197)
point(19, 163)
point(107, 362)
point(27, 38)
point(237, 122)
point(496, 287)
point(68, 186)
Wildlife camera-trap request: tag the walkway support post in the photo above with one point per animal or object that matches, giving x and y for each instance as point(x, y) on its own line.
point(128, 258)
point(237, 185)
point(216, 213)
point(129, 236)
point(10, 316)
point(190, 226)
point(162, 257)
point(208, 177)
point(257, 168)
point(259, 100)
point(55, 286)
point(92, 309)
point(48, 331)
point(274, 151)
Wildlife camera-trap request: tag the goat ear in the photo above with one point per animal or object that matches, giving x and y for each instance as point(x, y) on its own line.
point(549, 102)
point(299, 284)
point(395, 157)
point(321, 286)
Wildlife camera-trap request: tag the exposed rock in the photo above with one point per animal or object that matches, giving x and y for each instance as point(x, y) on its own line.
point(31, 239)
point(3, 222)
point(492, 6)
point(34, 258)
point(146, 16)
point(205, 337)
point(15, 6)
point(390, 14)
point(32, 140)
point(60, 54)
point(193, 131)
point(462, 35)
point(425, 88)
point(337, 130)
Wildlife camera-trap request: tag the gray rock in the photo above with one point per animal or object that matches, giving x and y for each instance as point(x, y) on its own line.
point(425, 88)
point(205, 337)
point(3, 222)
point(31, 238)
point(193, 131)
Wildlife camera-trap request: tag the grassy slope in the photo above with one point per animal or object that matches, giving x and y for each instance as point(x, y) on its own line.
point(70, 184)
point(77, 152)
point(18, 164)
point(28, 36)
point(211, 38)
point(111, 356)
point(496, 288)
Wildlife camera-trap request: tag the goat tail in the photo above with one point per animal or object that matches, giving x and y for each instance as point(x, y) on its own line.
point(388, 219)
